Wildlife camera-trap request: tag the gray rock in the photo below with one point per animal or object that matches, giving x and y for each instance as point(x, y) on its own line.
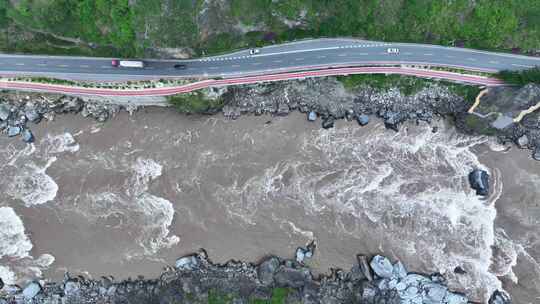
point(523, 141)
point(455, 298)
point(536, 153)
point(27, 136)
point(14, 131)
point(289, 277)
point(399, 271)
point(362, 119)
point(1, 284)
point(364, 267)
point(31, 290)
point(500, 297)
point(479, 181)
point(435, 293)
point(4, 112)
point(266, 270)
point(32, 115)
point(328, 123)
point(187, 263)
point(300, 255)
point(71, 288)
point(382, 266)
point(312, 116)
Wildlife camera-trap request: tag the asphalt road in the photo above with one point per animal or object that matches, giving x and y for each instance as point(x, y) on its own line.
point(304, 55)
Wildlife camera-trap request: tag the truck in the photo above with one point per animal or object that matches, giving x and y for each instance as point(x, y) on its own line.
point(128, 63)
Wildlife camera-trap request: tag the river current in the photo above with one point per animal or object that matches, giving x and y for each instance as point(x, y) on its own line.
point(127, 197)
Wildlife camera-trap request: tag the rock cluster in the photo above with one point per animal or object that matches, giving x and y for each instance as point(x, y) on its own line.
point(17, 114)
point(327, 98)
point(195, 279)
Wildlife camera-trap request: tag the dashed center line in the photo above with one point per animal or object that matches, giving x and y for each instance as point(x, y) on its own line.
point(363, 54)
point(235, 65)
point(18, 63)
point(299, 59)
point(278, 61)
point(448, 56)
point(42, 64)
point(62, 65)
point(84, 66)
point(213, 68)
point(321, 56)
point(471, 59)
point(428, 54)
point(256, 63)
point(494, 62)
point(342, 55)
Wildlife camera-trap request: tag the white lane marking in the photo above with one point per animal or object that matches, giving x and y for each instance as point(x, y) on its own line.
point(42, 64)
point(428, 54)
point(449, 56)
point(522, 65)
point(299, 59)
point(62, 65)
point(213, 68)
point(471, 59)
point(235, 65)
point(363, 54)
point(105, 67)
point(407, 53)
point(256, 63)
point(342, 55)
point(494, 62)
point(84, 66)
point(321, 56)
point(278, 61)
point(18, 63)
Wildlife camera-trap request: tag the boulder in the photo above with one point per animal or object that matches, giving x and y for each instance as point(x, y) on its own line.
point(399, 271)
point(362, 119)
point(32, 115)
point(71, 288)
point(536, 153)
point(382, 266)
point(328, 123)
point(434, 293)
point(312, 116)
point(522, 141)
point(14, 131)
point(266, 270)
point(391, 120)
point(289, 277)
point(364, 267)
point(4, 112)
point(479, 180)
point(31, 290)
point(499, 297)
point(1, 284)
point(455, 298)
point(187, 263)
point(27, 136)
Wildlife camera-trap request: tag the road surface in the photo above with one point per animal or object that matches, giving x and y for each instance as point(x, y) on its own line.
point(296, 56)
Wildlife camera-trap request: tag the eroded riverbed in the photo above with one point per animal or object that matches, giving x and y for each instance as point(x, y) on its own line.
point(127, 197)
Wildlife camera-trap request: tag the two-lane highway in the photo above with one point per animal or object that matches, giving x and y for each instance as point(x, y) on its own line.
point(303, 55)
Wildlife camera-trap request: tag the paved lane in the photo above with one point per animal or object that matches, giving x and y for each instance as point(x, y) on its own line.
point(304, 55)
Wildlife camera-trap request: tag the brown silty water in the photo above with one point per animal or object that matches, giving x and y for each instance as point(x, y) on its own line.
point(129, 196)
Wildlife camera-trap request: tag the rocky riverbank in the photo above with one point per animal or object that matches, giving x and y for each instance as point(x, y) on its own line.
point(324, 98)
point(195, 279)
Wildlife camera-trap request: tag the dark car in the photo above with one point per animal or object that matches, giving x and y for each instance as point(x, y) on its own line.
point(180, 66)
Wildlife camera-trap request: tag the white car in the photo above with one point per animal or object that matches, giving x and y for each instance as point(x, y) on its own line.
point(392, 51)
point(254, 51)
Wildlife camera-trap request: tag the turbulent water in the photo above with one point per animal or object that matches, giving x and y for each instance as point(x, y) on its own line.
point(128, 196)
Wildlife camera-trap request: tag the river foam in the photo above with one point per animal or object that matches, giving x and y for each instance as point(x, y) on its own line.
point(407, 191)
